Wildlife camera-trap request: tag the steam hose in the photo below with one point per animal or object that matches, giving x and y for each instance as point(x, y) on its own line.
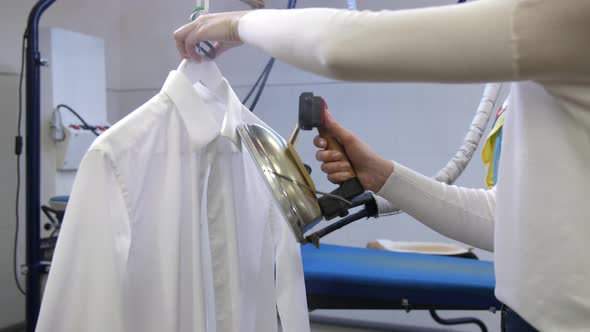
point(451, 172)
point(453, 169)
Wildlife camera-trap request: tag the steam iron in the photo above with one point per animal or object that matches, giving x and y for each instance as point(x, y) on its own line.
point(289, 180)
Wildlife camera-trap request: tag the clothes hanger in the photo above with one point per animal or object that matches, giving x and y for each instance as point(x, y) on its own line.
point(205, 71)
point(208, 74)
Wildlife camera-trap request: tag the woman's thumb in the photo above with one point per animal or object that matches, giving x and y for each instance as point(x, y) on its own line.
point(334, 128)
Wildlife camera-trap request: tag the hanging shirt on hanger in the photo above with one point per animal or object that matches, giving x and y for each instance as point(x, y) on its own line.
point(170, 227)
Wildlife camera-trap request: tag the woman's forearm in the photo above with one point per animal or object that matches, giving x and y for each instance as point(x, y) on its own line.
point(464, 214)
point(470, 42)
point(485, 40)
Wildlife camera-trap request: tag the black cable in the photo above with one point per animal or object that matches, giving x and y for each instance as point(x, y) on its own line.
point(266, 71)
point(457, 321)
point(18, 147)
point(262, 84)
point(48, 211)
point(79, 118)
point(245, 100)
point(249, 94)
point(263, 77)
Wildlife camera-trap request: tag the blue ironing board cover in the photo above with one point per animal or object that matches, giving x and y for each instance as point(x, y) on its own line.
point(422, 280)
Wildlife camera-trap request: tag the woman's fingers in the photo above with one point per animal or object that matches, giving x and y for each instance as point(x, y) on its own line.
point(190, 44)
point(327, 156)
point(219, 29)
point(180, 48)
point(336, 167)
point(320, 142)
point(180, 36)
point(339, 177)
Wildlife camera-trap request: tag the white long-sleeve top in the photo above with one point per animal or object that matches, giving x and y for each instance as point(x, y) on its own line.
point(541, 222)
point(460, 213)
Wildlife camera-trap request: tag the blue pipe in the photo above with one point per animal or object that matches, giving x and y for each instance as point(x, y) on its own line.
point(33, 176)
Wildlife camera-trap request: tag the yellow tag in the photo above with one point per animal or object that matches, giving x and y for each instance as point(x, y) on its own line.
point(487, 153)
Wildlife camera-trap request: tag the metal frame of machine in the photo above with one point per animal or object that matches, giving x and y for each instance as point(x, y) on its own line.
point(33, 164)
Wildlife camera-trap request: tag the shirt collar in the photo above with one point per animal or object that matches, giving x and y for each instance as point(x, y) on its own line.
point(197, 106)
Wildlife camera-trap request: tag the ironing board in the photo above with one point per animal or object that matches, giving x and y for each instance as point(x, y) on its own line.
point(338, 277)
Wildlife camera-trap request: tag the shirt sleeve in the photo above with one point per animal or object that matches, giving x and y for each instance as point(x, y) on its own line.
point(463, 214)
point(480, 41)
point(84, 290)
point(290, 281)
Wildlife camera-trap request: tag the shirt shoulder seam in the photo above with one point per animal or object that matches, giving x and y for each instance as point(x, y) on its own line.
point(106, 155)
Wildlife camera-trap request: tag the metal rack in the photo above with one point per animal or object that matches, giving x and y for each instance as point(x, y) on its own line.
point(33, 164)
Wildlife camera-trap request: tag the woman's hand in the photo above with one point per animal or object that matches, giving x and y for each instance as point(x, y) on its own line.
point(372, 170)
point(220, 29)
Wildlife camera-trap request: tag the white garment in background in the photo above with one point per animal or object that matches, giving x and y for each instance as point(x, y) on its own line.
point(170, 227)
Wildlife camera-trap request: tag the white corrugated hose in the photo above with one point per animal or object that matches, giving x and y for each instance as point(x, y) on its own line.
point(453, 169)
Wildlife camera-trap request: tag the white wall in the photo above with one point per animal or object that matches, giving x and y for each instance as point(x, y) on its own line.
point(420, 125)
point(75, 76)
point(97, 18)
point(11, 302)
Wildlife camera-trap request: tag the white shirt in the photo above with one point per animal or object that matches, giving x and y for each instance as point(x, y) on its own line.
point(170, 227)
point(538, 220)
